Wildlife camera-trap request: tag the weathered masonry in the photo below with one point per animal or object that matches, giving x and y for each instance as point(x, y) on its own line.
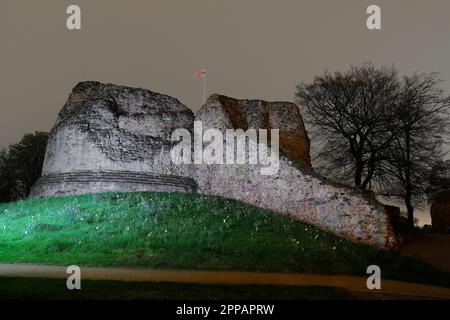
point(113, 138)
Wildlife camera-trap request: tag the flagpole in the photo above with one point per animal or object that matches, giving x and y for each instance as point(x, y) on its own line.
point(204, 87)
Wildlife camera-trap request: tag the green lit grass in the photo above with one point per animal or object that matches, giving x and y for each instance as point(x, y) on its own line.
point(161, 230)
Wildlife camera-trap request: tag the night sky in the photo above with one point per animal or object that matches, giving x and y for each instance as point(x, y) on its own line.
point(251, 48)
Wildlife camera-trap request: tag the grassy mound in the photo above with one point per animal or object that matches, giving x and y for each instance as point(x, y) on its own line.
point(162, 230)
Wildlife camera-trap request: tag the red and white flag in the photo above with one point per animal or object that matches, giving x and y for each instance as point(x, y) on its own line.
point(201, 73)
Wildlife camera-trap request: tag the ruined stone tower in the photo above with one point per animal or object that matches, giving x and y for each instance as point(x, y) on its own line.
point(296, 191)
point(225, 112)
point(112, 138)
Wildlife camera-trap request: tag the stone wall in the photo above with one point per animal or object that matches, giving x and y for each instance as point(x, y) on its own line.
point(111, 138)
point(81, 182)
point(295, 191)
point(113, 129)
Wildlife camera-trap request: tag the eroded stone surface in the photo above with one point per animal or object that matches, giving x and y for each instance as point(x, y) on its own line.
point(295, 191)
point(112, 138)
point(108, 128)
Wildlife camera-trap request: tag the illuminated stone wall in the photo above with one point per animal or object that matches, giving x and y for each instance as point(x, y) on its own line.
point(296, 191)
point(109, 138)
point(106, 136)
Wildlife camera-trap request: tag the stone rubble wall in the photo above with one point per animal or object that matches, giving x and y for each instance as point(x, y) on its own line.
point(295, 191)
point(72, 150)
point(256, 114)
point(302, 196)
point(107, 128)
point(78, 182)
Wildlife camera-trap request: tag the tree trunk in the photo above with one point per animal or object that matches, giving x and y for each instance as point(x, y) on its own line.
point(359, 167)
point(368, 179)
point(408, 182)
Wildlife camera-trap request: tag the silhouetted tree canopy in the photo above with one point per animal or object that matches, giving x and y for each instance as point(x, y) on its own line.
point(21, 166)
point(349, 116)
point(377, 130)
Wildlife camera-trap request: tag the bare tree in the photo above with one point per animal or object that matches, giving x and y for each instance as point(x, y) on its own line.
point(384, 132)
point(349, 115)
point(422, 120)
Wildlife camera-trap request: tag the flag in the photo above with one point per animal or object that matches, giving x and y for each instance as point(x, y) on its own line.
point(201, 73)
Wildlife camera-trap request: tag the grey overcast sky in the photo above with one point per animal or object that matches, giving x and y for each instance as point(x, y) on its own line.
point(251, 48)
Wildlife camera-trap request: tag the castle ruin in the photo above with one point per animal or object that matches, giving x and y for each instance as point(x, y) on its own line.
point(109, 138)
